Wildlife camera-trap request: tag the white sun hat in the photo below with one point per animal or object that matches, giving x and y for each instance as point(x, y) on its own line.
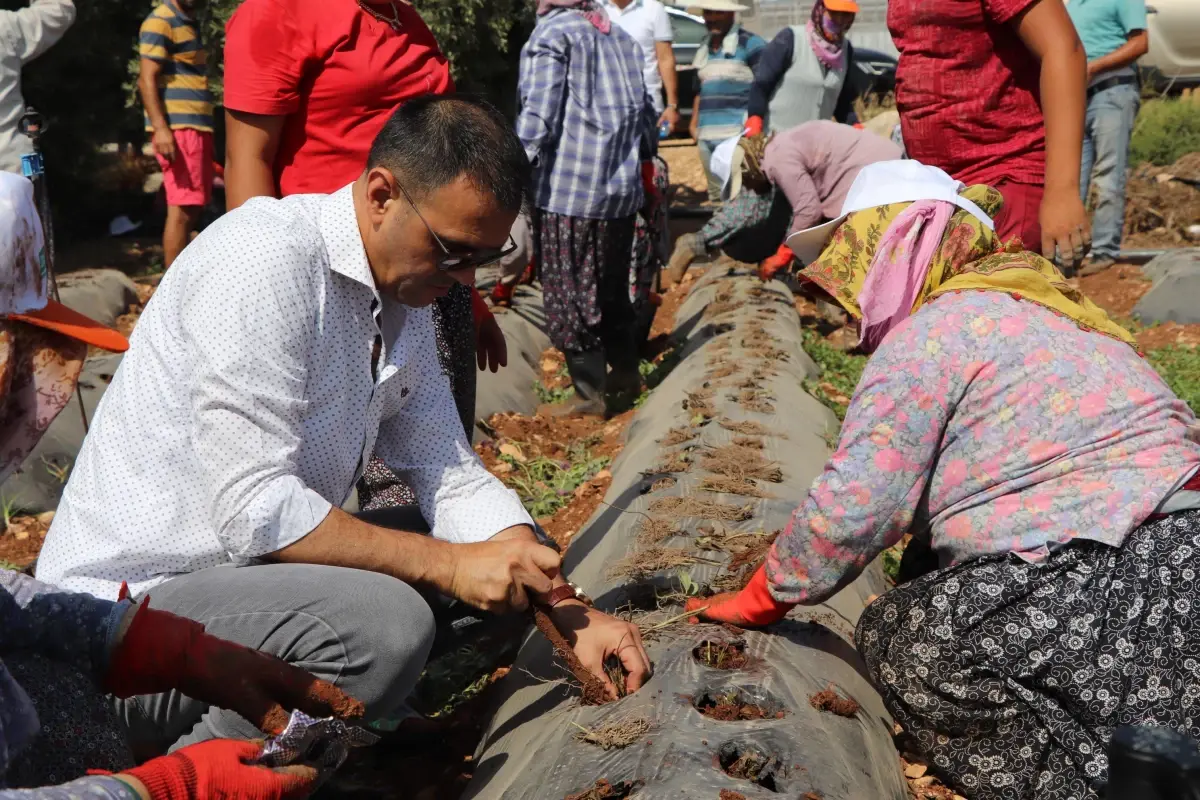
point(698, 7)
point(880, 184)
point(726, 164)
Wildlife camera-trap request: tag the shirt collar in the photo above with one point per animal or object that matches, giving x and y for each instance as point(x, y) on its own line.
point(729, 44)
point(343, 240)
point(614, 8)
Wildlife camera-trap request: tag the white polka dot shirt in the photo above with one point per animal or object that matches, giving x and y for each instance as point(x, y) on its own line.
point(246, 408)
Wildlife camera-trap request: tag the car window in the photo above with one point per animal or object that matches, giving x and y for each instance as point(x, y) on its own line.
point(687, 30)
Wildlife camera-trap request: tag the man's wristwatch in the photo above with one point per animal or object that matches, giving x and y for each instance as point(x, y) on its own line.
point(568, 591)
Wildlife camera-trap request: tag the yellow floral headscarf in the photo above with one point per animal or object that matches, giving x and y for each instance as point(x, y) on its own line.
point(969, 257)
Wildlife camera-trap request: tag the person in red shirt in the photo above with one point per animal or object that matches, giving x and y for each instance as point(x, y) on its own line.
point(992, 91)
point(308, 86)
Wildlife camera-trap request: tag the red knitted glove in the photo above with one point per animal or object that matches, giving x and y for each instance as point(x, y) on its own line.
point(772, 264)
point(161, 651)
point(754, 126)
point(752, 607)
point(220, 769)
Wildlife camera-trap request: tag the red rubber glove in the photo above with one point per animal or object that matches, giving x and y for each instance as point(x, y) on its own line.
point(772, 264)
point(754, 126)
point(161, 652)
point(752, 607)
point(491, 348)
point(218, 770)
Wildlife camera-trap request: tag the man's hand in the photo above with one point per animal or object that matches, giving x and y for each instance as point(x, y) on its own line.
point(1065, 226)
point(162, 651)
point(491, 350)
point(669, 115)
point(497, 575)
point(163, 141)
point(594, 636)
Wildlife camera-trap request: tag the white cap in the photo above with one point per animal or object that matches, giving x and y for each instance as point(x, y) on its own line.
point(881, 184)
point(24, 282)
point(698, 7)
point(722, 166)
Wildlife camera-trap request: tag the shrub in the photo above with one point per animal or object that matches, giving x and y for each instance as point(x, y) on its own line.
point(1165, 130)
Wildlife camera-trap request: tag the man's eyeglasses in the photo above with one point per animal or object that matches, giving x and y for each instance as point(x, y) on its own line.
point(455, 261)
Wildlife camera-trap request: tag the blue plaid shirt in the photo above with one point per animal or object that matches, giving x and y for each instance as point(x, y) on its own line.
point(586, 120)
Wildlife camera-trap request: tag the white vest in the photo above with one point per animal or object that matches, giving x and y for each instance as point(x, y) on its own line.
point(809, 91)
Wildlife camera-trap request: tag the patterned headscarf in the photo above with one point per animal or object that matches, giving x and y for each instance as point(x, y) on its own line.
point(753, 149)
point(969, 257)
point(595, 15)
point(828, 45)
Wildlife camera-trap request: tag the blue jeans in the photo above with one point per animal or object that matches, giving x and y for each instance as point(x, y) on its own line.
point(1106, 132)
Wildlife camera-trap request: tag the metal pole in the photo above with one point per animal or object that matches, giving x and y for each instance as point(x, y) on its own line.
point(33, 167)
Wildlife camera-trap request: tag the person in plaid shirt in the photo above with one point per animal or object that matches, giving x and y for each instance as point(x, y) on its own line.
point(587, 125)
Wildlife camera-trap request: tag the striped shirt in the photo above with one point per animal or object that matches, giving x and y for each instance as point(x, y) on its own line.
point(726, 77)
point(172, 38)
point(586, 120)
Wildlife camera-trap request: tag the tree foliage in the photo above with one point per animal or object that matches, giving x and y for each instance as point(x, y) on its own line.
point(85, 84)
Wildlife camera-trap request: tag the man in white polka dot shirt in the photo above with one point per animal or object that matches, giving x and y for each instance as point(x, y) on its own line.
point(288, 343)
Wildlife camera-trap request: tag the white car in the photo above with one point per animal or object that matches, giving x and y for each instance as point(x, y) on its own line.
point(1173, 62)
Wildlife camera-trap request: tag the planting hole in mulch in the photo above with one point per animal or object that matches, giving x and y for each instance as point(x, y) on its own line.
point(747, 762)
point(603, 790)
point(663, 483)
point(730, 794)
point(721, 655)
point(830, 701)
point(735, 704)
point(680, 507)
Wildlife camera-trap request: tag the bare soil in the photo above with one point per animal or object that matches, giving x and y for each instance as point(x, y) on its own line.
point(721, 655)
point(731, 708)
point(603, 790)
point(730, 794)
point(1159, 210)
point(21, 540)
point(1118, 289)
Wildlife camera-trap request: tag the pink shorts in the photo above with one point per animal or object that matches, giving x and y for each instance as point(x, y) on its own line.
point(188, 178)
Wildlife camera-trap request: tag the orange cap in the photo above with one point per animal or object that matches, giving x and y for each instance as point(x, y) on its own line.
point(57, 317)
point(841, 5)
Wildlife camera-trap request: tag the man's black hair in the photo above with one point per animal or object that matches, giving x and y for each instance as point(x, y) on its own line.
point(431, 140)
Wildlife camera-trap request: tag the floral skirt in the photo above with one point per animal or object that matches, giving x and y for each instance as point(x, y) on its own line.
point(585, 268)
point(1011, 676)
point(454, 329)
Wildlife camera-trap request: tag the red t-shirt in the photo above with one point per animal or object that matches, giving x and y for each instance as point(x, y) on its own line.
point(967, 89)
point(336, 72)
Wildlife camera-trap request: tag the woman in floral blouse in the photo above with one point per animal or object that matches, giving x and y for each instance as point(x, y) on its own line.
point(1006, 420)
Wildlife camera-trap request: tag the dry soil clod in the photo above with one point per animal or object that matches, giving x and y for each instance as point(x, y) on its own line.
point(679, 507)
point(730, 794)
point(616, 733)
point(594, 693)
point(829, 700)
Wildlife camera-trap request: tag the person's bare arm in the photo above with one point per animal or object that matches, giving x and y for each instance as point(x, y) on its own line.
point(694, 124)
point(251, 142)
point(1049, 34)
point(162, 138)
point(1136, 46)
point(666, 68)
point(494, 575)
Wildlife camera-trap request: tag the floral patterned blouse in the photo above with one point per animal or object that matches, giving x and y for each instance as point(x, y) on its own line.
point(72, 628)
point(993, 425)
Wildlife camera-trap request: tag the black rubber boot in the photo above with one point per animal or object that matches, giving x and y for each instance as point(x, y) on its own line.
point(588, 371)
point(1149, 762)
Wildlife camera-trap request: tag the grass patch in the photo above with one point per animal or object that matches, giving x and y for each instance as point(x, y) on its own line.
point(839, 373)
point(452, 679)
point(1179, 366)
point(1165, 130)
point(556, 395)
point(545, 484)
point(10, 566)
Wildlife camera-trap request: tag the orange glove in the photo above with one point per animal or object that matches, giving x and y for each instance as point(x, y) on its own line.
point(221, 769)
point(752, 607)
point(161, 651)
point(771, 265)
point(754, 126)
